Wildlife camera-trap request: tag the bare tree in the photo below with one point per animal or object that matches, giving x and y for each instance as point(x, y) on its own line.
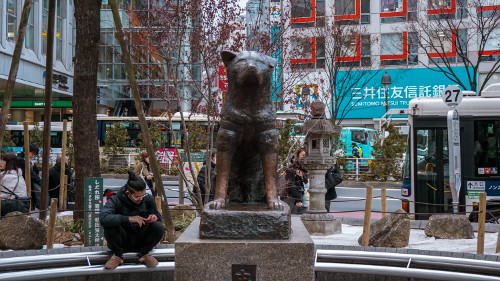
point(48, 110)
point(87, 14)
point(466, 35)
point(16, 57)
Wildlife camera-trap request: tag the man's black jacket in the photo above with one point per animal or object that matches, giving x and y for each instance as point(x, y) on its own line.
point(119, 207)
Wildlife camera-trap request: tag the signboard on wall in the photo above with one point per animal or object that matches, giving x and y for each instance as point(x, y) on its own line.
point(407, 84)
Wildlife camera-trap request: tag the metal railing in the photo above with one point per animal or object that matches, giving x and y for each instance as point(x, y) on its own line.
point(335, 261)
point(355, 167)
point(405, 265)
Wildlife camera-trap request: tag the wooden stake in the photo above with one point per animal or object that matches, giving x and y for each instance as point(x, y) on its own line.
point(63, 178)
point(384, 201)
point(158, 203)
point(181, 191)
point(27, 163)
point(52, 223)
point(368, 213)
point(480, 223)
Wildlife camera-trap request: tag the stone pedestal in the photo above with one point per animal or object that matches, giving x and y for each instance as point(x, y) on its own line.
point(321, 224)
point(229, 259)
point(245, 221)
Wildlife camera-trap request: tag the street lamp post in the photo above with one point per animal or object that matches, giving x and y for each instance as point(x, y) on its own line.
point(386, 81)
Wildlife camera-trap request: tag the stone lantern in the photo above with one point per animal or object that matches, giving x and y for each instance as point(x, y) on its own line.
point(318, 159)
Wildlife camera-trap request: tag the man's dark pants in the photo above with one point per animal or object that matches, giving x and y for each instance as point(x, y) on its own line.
point(142, 240)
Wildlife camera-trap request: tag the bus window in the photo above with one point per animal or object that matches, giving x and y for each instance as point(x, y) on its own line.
point(373, 136)
point(486, 147)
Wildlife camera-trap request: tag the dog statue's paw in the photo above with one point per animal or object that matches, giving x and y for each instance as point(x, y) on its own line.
point(217, 204)
point(276, 205)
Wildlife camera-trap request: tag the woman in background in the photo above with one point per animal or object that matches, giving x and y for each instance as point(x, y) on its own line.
point(13, 185)
point(143, 170)
point(296, 177)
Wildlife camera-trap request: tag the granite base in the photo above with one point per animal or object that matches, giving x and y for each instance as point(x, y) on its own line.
point(245, 221)
point(260, 260)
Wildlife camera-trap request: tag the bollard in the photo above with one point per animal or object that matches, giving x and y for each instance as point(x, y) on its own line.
point(480, 223)
point(368, 213)
point(383, 200)
point(52, 223)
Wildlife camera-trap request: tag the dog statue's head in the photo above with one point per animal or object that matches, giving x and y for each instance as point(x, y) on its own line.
point(248, 68)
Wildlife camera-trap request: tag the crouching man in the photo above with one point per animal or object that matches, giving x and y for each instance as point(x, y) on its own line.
point(131, 223)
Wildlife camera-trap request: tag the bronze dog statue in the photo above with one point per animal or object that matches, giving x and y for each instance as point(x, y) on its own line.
point(247, 139)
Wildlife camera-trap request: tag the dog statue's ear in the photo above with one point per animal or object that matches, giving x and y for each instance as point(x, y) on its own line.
point(227, 57)
point(272, 61)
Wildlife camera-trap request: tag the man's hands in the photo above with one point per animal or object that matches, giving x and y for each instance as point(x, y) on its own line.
point(142, 221)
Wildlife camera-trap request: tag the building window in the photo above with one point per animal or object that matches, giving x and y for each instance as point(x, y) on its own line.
point(11, 19)
point(413, 48)
point(308, 53)
point(350, 50)
point(59, 29)
point(307, 13)
point(442, 44)
point(441, 9)
point(366, 59)
point(45, 25)
point(492, 46)
point(488, 8)
point(365, 11)
point(30, 31)
point(392, 11)
point(347, 9)
point(394, 48)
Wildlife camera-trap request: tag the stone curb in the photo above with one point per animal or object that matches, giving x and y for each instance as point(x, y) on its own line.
point(68, 250)
point(461, 255)
point(416, 224)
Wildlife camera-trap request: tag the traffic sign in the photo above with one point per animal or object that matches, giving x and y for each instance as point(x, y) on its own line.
point(452, 95)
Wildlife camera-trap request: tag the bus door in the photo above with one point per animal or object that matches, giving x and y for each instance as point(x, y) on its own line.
point(431, 172)
point(431, 165)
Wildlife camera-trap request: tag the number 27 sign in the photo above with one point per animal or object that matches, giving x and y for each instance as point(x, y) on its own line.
point(452, 95)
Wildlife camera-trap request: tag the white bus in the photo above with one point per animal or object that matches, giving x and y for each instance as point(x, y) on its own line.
point(426, 177)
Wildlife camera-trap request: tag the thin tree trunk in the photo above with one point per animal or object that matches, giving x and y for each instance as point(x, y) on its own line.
point(47, 111)
point(16, 57)
point(142, 121)
point(86, 150)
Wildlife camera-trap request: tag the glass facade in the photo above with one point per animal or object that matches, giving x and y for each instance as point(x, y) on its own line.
point(11, 19)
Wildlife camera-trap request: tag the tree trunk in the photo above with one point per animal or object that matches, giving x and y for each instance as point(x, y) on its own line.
point(16, 57)
point(142, 122)
point(87, 15)
point(47, 111)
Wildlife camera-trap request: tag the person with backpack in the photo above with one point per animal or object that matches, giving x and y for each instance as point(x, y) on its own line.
point(357, 152)
point(296, 177)
point(36, 181)
point(332, 179)
point(131, 223)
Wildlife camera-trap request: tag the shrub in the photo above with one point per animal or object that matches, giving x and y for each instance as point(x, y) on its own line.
point(386, 154)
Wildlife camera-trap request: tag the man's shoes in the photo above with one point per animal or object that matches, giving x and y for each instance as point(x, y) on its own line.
point(148, 260)
point(113, 262)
